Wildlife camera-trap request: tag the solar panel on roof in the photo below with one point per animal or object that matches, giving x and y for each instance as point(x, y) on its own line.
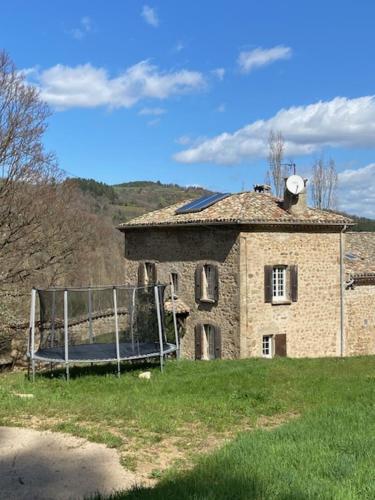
point(201, 203)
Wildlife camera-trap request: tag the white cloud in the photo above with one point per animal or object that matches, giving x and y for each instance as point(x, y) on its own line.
point(150, 16)
point(219, 73)
point(341, 122)
point(86, 86)
point(183, 140)
point(356, 191)
point(84, 28)
point(258, 57)
point(152, 111)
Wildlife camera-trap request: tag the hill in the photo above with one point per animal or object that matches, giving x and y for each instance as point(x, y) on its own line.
point(129, 199)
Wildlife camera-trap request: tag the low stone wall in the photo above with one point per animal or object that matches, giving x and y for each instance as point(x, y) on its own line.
point(14, 351)
point(360, 320)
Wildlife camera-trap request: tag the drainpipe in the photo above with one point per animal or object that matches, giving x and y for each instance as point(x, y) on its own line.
point(342, 291)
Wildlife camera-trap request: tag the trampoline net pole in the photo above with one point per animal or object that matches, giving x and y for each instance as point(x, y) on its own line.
point(160, 329)
point(132, 319)
point(53, 318)
point(175, 320)
point(31, 346)
point(66, 334)
point(90, 316)
point(116, 330)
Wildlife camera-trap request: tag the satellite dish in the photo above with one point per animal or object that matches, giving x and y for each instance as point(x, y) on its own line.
point(295, 184)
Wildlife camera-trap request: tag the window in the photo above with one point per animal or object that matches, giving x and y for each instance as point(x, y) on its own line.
point(207, 341)
point(175, 283)
point(208, 350)
point(147, 274)
point(267, 347)
point(206, 283)
point(279, 283)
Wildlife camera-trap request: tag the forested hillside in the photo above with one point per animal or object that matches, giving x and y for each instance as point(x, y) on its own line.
point(130, 199)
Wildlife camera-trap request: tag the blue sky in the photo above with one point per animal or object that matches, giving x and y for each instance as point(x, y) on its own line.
point(186, 92)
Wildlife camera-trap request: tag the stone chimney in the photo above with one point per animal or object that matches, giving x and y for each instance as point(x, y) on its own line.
point(295, 204)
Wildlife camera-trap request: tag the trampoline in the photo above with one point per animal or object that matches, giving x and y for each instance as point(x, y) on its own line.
point(99, 324)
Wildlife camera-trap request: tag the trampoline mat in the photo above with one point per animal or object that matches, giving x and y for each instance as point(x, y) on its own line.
point(103, 352)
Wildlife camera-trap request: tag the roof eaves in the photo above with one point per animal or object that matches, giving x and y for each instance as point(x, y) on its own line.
point(205, 222)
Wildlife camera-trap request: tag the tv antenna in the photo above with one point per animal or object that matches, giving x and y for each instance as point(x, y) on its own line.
point(290, 165)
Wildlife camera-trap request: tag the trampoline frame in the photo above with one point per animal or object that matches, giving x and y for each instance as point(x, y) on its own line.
point(164, 347)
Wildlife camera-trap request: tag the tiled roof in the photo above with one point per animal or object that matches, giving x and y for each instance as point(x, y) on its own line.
point(180, 307)
point(241, 208)
point(360, 254)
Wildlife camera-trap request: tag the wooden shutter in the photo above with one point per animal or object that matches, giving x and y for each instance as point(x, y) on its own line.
point(217, 342)
point(216, 283)
point(198, 282)
point(293, 270)
point(198, 341)
point(141, 274)
point(268, 284)
point(280, 345)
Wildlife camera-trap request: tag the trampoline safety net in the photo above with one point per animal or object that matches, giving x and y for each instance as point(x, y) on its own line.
point(98, 324)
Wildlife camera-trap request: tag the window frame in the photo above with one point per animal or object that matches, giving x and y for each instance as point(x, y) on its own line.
point(149, 271)
point(279, 283)
point(208, 342)
point(147, 274)
point(269, 346)
point(208, 283)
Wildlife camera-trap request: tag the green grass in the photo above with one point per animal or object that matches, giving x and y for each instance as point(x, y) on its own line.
point(326, 451)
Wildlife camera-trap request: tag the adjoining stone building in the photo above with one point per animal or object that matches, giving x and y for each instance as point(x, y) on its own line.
point(360, 293)
point(257, 276)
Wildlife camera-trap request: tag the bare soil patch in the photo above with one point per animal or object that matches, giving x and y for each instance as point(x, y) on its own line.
point(45, 465)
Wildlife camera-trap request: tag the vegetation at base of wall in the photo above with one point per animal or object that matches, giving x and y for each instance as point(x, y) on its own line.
point(318, 414)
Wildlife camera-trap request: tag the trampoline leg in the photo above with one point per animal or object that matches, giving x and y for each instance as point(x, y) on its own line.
point(118, 369)
point(33, 370)
point(67, 372)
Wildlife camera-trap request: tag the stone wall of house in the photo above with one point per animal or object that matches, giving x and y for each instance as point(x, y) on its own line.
point(360, 320)
point(312, 324)
point(180, 250)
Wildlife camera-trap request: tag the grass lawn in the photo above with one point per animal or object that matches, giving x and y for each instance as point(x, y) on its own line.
point(325, 447)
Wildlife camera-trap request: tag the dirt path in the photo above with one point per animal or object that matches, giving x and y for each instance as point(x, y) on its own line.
point(37, 465)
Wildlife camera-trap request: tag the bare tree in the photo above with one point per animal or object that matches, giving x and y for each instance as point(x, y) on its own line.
point(324, 184)
point(28, 187)
point(276, 171)
point(49, 233)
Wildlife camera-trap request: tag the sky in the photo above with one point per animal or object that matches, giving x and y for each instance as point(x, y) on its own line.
point(188, 92)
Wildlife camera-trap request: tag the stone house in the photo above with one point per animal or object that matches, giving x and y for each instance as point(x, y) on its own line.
point(257, 276)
